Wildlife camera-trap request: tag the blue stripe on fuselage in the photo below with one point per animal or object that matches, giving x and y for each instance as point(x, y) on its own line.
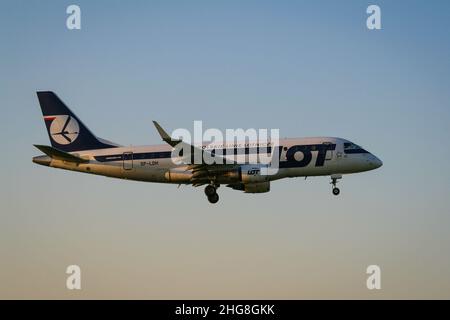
point(290, 161)
point(168, 154)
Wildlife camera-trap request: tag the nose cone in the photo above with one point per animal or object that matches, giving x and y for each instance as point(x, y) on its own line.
point(375, 162)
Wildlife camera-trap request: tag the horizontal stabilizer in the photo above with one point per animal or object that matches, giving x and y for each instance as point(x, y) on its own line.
point(60, 155)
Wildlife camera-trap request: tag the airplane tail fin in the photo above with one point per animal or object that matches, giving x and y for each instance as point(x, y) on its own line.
point(67, 132)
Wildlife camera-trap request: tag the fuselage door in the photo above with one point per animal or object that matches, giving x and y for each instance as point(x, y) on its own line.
point(127, 160)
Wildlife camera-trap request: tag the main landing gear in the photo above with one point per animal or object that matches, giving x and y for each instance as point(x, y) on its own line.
point(211, 193)
point(334, 179)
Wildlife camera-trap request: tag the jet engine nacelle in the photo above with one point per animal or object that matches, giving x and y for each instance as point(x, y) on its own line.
point(178, 175)
point(259, 187)
point(252, 174)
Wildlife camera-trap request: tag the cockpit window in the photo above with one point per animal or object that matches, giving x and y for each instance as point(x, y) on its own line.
point(353, 148)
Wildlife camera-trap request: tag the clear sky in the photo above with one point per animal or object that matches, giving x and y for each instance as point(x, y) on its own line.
point(307, 67)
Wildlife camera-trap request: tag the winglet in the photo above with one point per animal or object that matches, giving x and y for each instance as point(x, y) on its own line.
point(164, 136)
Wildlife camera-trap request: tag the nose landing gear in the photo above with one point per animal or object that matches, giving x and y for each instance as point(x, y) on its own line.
point(334, 179)
point(214, 198)
point(211, 193)
point(336, 191)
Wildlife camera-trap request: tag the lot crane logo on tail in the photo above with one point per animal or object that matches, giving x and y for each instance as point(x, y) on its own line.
point(64, 129)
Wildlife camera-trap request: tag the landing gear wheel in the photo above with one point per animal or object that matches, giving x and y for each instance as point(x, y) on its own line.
point(334, 180)
point(210, 190)
point(213, 198)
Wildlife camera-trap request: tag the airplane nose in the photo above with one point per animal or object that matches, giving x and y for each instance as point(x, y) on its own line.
point(376, 162)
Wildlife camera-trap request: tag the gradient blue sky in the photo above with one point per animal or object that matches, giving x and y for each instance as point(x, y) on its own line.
point(307, 67)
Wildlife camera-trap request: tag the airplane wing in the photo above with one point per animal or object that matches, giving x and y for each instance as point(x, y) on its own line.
point(219, 159)
point(202, 171)
point(60, 155)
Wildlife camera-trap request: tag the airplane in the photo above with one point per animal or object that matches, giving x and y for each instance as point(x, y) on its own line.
point(74, 147)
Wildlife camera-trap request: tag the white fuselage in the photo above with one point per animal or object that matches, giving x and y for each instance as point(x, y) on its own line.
point(298, 157)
